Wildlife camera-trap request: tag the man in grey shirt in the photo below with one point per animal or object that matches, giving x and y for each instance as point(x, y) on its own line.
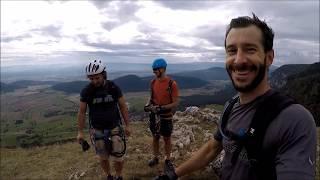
point(290, 138)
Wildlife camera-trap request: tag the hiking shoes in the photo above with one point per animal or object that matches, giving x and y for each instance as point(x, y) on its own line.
point(109, 177)
point(118, 178)
point(169, 170)
point(154, 161)
point(168, 166)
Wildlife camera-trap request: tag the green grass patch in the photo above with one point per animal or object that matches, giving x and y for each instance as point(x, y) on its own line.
point(41, 133)
point(215, 106)
point(136, 104)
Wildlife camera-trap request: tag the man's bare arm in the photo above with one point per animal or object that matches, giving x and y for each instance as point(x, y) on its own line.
point(81, 119)
point(172, 105)
point(124, 110)
point(207, 153)
point(125, 115)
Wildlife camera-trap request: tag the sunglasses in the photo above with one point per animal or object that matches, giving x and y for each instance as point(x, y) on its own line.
point(156, 69)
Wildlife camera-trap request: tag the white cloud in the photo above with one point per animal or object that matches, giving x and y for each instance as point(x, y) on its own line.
point(124, 34)
point(190, 31)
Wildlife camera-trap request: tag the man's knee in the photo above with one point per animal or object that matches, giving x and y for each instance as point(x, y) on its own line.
point(103, 158)
point(156, 139)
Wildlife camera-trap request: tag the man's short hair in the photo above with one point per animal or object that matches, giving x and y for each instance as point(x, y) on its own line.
point(245, 21)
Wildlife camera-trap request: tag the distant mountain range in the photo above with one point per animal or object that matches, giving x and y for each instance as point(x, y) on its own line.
point(8, 87)
point(220, 97)
point(75, 72)
point(304, 86)
point(132, 83)
point(214, 73)
point(302, 81)
point(278, 77)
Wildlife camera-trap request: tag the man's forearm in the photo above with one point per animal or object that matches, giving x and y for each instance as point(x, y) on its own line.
point(81, 121)
point(171, 105)
point(125, 115)
point(200, 159)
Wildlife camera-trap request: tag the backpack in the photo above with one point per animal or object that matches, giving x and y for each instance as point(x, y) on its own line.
point(267, 110)
point(169, 89)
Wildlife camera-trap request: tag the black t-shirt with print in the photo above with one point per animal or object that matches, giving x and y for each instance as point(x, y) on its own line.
point(103, 105)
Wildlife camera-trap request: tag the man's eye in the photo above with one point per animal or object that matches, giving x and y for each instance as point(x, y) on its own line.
point(251, 50)
point(231, 51)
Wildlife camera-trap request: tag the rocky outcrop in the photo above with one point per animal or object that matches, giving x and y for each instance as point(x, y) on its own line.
point(187, 123)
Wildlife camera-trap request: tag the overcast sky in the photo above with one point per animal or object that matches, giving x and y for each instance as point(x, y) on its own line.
point(55, 32)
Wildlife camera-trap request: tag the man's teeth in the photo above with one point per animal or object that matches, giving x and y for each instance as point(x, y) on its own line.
point(241, 71)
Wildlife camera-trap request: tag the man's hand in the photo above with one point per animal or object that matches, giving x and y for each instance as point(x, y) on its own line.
point(84, 144)
point(165, 177)
point(169, 172)
point(156, 109)
point(80, 136)
point(147, 108)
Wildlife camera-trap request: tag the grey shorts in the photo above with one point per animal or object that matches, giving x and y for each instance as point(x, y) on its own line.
point(107, 149)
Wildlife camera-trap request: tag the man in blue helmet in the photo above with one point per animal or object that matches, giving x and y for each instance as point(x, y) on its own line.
point(163, 100)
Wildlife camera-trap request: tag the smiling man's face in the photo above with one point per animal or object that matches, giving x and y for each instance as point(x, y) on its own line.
point(245, 58)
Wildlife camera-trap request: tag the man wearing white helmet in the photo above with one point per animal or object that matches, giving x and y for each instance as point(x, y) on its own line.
point(105, 102)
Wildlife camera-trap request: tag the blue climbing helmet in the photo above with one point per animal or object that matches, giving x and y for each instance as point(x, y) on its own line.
point(159, 63)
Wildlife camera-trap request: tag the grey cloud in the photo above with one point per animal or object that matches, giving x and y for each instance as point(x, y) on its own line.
point(110, 25)
point(151, 47)
point(121, 12)
point(153, 44)
point(296, 27)
point(190, 5)
point(52, 30)
point(295, 58)
point(283, 20)
point(289, 20)
point(124, 11)
point(100, 4)
point(8, 39)
point(212, 33)
point(299, 52)
point(296, 39)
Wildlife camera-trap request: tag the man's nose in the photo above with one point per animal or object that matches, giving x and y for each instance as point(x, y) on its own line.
point(240, 57)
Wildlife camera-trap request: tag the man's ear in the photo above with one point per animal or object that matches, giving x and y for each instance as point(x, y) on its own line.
point(269, 57)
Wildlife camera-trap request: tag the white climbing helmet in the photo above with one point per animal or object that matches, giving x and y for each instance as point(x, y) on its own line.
point(95, 67)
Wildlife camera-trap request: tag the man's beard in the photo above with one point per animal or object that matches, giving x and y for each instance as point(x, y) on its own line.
point(159, 75)
point(260, 69)
point(98, 85)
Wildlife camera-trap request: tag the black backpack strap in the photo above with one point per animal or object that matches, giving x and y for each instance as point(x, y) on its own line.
point(151, 90)
point(265, 113)
point(111, 89)
point(170, 89)
point(225, 117)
